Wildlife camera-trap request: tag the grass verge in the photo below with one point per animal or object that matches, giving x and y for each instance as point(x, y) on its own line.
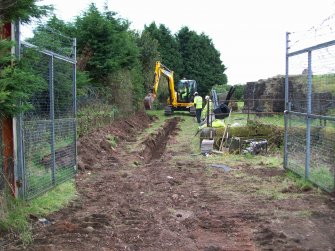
point(17, 212)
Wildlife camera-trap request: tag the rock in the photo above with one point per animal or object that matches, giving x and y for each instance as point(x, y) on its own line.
point(179, 164)
point(89, 229)
point(105, 145)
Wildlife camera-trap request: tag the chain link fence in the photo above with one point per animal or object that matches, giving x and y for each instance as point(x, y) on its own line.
point(310, 104)
point(47, 133)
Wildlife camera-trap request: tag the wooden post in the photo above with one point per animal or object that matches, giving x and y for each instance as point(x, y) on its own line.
point(7, 131)
point(8, 150)
point(6, 31)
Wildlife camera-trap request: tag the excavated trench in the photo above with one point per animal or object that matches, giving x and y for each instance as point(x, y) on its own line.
point(155, 144)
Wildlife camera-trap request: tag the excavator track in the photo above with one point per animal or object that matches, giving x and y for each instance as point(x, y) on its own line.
point(168, 110)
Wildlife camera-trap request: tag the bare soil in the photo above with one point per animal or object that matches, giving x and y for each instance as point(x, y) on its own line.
point(138, 196)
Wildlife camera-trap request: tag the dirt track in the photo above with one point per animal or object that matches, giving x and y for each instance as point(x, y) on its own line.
point(141, 196)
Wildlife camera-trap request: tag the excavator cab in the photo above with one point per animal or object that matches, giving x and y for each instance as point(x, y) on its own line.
point(185, 90)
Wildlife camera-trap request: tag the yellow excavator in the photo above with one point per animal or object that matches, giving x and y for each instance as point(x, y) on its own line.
point(181, 96)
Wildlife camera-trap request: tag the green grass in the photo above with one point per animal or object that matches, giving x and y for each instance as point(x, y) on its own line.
point(187, 134)
point(159, 114)
point(39, 150)
point(240, 105)
point(242, 119)
point(300, 182)
point(40, 175)
point(323, 177)
point(324, 83)
point(17, 211)
point(273, 194)
point(41, 180)
point(273, 160)
point(276, 120)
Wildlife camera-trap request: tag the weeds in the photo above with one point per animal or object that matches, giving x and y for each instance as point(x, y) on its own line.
point(95, 116)
point(112, 140)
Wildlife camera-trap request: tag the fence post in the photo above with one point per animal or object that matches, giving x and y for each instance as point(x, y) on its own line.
point(287, 108)
point(207, 112)
point(308, 118)
point(18, 143)
point(248, 102)
point(7, 132)
point(52, 119)
point(74, 93)
point(8, 163)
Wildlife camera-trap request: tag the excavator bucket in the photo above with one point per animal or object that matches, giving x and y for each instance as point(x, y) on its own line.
point(148, 101)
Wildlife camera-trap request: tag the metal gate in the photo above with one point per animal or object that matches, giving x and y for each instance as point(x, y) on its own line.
point(46, 135)
point(310, 105)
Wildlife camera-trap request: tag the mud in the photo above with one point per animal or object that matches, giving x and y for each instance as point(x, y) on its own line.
point(148, 200)
point(155, 143)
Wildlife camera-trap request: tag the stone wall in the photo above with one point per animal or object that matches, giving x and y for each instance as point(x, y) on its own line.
point(269, 96)
point(265, 95)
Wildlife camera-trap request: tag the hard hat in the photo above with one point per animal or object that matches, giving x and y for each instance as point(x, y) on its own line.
point(196, 93)
point(207, 97)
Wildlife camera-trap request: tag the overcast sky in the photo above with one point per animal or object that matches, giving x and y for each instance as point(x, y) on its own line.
point(250, 34)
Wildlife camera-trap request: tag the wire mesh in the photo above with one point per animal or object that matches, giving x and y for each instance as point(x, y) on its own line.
point(49, 129)
point(252, 118)
point(323, 81)
point(311, 104)
point(320, 33)
point(322, 157)
point(52, 40)
point(95, 109)
point(298, 83)
point(64, 123)
point(296, 145)
point(263, 107)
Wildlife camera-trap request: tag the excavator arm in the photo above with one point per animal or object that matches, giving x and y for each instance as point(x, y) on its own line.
point(160, 70)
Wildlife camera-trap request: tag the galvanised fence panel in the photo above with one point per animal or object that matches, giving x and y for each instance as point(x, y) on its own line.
point(296, 145)
point(47, 133)
point(322, 154)
point(64, 120)
point(310, 104)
